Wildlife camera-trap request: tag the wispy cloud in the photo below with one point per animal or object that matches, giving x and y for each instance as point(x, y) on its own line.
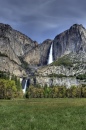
point(41, 19)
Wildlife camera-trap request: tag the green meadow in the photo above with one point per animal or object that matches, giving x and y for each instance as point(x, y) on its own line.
point(43, 114)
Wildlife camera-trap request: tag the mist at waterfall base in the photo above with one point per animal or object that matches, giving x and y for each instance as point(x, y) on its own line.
point(50, 59)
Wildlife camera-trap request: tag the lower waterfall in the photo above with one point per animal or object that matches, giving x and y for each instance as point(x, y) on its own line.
point(50, 59)
point(25, 86)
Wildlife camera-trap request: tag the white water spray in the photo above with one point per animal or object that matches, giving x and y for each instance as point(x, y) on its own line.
point(50, 59)
point(25, 86)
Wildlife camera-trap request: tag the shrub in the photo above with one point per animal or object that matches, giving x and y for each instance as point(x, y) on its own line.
point(81, 76)
point(84, 92)
point(7, 89)
point(17, 82)
point(4, 75)
point(56, 92)
point(63, 61)
point(56, 75)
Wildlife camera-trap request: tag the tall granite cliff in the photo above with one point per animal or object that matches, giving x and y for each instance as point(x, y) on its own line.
point(13, 45)
point(69, 54)
point(72, 40)
point(19, 42)
point(20, 51)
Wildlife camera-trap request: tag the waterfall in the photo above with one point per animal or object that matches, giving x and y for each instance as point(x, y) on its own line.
point(25, 86)
point(50, 59)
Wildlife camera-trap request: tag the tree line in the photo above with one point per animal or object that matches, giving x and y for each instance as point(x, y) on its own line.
point(56, 92)
point(12, 88)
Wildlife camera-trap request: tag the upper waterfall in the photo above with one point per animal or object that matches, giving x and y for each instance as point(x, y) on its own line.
point(50, 58)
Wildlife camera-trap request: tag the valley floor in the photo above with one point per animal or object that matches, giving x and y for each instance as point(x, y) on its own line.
point(43, 114)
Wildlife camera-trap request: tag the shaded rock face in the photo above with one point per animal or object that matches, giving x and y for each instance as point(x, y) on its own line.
point(44, 49)
point(72, 40)
point(13, 45)
point(6, 65)
point(39, 54)
point(19, 42)
point(6, 49)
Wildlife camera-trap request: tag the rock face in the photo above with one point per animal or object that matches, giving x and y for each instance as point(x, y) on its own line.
point(72, 40)
point(19, 42)
point(68, 82)
point(13, 45)
point(60, 75)
point(17, 48)
point(39, 54)
point(6, 65)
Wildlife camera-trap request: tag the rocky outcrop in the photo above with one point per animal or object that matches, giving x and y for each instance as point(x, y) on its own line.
point(7, 65)
point(62, 71)
point(54, 81)
point(60, 76)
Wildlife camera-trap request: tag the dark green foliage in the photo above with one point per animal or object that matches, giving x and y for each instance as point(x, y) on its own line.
point(17, 82)
point(74, 92)
point(3, 55)
point(81, 76)
point(63, 61)
point(4, 75)
point(56, 75)
point(76, 67)
point(34, 92)
point(47, 91)
point(56, 92)
point(8, 85)
point(84, 92)
point(7, 89)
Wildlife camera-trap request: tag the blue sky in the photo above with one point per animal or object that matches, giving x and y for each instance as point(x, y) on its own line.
point(42, 19)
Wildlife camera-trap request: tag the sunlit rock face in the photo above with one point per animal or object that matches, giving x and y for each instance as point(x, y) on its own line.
point(72, 40)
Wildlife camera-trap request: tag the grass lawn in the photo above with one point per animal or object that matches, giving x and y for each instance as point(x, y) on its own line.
point(43, 114)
